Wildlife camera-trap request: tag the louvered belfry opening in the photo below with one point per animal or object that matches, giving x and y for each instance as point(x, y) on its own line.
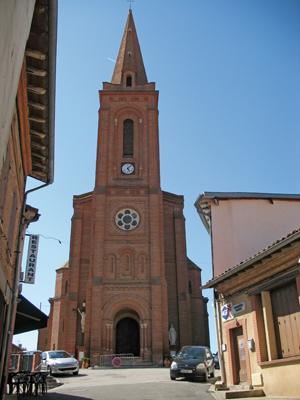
point(128, 138)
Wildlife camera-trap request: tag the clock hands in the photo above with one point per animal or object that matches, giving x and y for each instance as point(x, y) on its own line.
point(127, 169)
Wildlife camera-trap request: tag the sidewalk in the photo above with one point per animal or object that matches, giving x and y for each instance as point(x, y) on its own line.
point(221, 395)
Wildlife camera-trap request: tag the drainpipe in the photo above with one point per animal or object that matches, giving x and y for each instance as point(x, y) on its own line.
point(218, 320)
point(11, 312)
point(217, 314)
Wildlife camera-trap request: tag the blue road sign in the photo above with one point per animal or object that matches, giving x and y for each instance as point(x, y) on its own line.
point(116, 362)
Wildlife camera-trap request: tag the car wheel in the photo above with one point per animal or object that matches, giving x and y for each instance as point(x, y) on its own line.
point(172, 378)
point(205, 377)
point(212, 374)
point(75, 373)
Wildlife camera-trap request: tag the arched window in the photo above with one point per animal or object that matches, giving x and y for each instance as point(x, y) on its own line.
point(127, 264)
point(128, 81)
point(128, 138)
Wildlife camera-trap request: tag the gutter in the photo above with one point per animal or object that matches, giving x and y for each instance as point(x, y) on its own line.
point(210, 196)
point(52, 43)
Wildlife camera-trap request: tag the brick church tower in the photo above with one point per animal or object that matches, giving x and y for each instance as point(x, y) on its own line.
point(128, 278)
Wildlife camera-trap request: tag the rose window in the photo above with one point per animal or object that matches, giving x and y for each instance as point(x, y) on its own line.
point(127, 219)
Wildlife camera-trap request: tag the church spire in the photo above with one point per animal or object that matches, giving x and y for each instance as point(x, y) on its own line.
point(130, 56)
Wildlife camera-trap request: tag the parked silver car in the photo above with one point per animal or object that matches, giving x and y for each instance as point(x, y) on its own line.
point(193, 362)
point(59, 362)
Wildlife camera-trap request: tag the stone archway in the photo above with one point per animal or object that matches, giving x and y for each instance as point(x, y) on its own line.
point(128, 336)
point(134, 307)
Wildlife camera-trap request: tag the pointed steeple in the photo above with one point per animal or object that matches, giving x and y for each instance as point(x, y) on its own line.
point(130, 56)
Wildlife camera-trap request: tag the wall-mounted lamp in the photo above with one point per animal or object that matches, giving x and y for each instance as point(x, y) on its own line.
point(83, 303)
point(224, 347)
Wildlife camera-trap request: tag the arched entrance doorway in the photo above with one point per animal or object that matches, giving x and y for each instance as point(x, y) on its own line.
point(128, 337)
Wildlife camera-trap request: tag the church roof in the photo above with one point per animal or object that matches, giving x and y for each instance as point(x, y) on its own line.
point(64, 265)
point(130, 56)
point(192, 265)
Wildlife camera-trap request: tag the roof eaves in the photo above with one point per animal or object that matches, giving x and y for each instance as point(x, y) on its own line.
point(205, 196)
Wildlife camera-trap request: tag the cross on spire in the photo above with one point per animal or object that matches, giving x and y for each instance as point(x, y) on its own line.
point(130, 1)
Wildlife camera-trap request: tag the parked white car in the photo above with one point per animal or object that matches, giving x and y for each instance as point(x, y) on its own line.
point(59, 362)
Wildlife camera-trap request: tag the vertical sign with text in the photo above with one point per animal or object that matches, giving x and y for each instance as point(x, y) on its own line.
point(31, 259)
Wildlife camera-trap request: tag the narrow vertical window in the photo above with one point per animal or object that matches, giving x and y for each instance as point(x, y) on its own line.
point(128, 81)
point(127, 263)
point(190, 287)
point(128, 138)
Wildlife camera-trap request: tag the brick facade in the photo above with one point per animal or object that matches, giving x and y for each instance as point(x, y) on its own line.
point(140, 274)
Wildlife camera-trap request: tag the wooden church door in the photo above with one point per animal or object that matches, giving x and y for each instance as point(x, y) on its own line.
point(128, 337)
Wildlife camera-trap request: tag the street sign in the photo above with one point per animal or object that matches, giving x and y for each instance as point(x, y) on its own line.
point(31, 259)
point(116, 362)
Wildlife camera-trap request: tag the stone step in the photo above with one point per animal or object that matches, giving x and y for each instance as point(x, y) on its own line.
point(136, 363)
point(52, 382)
point(241, 394)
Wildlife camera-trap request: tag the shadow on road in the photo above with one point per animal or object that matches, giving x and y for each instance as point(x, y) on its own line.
point(59, 396)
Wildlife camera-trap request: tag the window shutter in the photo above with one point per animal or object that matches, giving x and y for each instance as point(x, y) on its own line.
point(286, 315)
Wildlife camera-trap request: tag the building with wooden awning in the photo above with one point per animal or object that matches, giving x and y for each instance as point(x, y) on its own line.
point(255, 243)
point(28, 32)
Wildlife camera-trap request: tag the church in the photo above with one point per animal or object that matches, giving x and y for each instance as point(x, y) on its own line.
point(128, 286)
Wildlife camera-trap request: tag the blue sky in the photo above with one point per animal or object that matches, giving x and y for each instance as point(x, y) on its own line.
point(228, 75)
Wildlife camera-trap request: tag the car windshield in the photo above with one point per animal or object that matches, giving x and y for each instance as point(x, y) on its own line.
point(59, 354)
point(191, 352)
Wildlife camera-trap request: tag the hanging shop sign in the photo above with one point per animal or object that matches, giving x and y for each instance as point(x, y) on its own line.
point(227, 314)
point(31, 259)
point(228, 310)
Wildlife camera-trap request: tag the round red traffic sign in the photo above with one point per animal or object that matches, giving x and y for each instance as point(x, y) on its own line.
point(116, 362)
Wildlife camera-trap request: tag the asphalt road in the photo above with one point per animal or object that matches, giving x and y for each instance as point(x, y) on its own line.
point(133, 384)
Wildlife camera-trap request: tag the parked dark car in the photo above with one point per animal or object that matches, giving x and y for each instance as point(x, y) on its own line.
point(216, 360)
point(193, 362)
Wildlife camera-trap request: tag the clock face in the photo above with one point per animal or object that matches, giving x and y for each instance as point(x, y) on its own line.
point(127, 169)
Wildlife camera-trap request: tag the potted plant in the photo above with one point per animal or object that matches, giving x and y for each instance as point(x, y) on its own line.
point(85, 362)
point(167, 361)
